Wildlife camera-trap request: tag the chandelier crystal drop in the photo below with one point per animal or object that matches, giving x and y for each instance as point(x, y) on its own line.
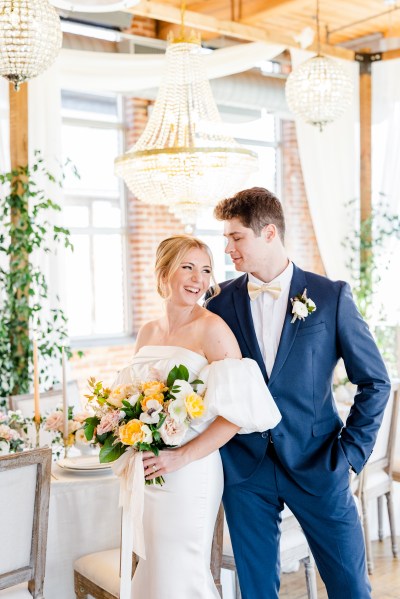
point(182, 160)
point(30, 38)
point(319, 91)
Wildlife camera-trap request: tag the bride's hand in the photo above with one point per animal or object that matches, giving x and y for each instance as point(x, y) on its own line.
point(168, 460)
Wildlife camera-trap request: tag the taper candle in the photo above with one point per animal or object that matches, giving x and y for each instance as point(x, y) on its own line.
point(36, 401)
point(64, 396)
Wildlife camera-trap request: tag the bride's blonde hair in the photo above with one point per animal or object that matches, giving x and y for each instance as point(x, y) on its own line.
point(170, 254)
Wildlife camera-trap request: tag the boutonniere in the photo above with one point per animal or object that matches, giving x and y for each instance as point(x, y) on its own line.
point(302, 306)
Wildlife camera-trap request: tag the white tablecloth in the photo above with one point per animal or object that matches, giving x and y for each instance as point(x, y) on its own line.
point(84, 517)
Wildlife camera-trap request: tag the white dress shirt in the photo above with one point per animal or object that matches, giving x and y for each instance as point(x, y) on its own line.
point(269, 315)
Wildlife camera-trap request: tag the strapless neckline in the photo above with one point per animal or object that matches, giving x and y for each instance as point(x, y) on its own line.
point(180, 347)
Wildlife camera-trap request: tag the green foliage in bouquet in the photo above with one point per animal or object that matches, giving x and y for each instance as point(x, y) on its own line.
point(24, 230)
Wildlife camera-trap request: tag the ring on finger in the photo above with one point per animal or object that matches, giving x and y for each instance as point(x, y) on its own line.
point(154, 468)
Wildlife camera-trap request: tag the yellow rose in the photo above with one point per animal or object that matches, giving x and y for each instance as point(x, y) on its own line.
point(153, 387)
point(156, 396)
point(131, 432)
point(194, 405)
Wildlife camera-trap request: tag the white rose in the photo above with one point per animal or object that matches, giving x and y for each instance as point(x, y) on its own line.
point(177, 410)
point(4, 448)
point(300, 309)
point(184, 389)
point(172, 432)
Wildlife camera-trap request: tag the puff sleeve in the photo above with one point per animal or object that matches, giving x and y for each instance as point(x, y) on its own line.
point(236, 390)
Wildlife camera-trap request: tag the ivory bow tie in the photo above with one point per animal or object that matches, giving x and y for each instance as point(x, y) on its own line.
point(255, 290)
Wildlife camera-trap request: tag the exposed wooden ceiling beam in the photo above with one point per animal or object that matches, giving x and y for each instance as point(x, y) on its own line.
point(195, 20)
point(264, 9)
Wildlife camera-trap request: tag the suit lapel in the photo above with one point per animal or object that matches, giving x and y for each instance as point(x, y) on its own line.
point(241, 303)
point(289, 330)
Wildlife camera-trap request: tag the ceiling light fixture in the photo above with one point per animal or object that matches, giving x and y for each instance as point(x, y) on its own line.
point(319, 90)
point(181, 160)
point(30, 39)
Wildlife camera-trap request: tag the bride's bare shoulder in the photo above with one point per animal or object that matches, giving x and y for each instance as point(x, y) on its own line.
point(146, 332)
point(218, 340)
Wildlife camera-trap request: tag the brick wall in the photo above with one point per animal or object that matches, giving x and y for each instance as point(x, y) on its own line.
point(301, 242)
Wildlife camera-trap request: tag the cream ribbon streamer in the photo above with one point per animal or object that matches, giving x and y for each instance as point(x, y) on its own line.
point(129, 469)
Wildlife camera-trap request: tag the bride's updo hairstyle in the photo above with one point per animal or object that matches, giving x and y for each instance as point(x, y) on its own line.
point(170, 254)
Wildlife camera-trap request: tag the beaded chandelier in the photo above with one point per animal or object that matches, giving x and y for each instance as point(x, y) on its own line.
point(319, 90)
point(30, 38)
point(181, 160)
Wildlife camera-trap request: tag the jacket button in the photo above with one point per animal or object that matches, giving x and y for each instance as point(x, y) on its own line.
point(264, 435)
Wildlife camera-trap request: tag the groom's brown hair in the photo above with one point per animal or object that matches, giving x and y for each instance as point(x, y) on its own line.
point(255, 208)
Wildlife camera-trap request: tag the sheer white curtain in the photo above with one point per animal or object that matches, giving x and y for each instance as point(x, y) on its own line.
point(330, 165)
point(386, 173)
point(4, 127)
point(385, 133)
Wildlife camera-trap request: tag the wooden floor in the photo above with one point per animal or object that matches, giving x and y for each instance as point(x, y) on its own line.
point(385, 580)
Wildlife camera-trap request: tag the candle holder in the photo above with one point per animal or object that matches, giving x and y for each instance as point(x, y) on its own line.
point(37, 428)
point(66, 447)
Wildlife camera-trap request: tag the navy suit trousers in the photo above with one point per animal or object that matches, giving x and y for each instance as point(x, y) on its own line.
point(330, 522)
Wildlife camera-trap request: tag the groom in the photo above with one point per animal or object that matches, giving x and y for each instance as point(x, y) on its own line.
point(305, 461)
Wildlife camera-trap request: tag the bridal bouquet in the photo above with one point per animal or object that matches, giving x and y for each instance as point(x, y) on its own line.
point(145, 415)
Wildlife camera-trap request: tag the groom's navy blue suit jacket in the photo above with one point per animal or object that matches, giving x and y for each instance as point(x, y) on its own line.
point(310, 441)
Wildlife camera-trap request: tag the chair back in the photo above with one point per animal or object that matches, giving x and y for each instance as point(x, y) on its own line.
point(24, 509)
point(383, 452)
point(48, 400)
point(217, 546)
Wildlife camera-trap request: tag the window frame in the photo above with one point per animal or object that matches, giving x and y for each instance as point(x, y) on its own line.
point(80, 197)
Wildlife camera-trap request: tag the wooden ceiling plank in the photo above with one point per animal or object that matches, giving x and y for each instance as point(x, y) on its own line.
point(275, 8)
point(170, 14)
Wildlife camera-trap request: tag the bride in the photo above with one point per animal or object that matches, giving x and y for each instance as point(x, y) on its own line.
point(179, 517)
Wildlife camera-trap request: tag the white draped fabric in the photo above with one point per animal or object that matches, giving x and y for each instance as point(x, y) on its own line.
point(127, 73)
point(330, 165)
point(385, 134)
point(4, 127)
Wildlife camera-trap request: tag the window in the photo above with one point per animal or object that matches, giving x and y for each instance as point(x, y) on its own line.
point(260, 134)
point(94, 212)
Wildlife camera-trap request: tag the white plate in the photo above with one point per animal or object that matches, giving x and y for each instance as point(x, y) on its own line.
point(83, 463)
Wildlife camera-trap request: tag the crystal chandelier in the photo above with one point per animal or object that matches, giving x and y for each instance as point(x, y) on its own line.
point(181, 160)
point(30, 38)
point(319, 90)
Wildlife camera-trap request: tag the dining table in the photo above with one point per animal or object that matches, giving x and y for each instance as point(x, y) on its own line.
point(84, 517)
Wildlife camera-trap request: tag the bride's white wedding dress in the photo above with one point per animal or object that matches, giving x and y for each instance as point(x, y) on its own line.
point(179, 517)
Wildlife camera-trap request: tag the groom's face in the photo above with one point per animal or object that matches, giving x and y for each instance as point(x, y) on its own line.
point(246, 250)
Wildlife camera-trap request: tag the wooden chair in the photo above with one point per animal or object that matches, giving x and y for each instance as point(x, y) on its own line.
point(378, 476)
point(293, 548)
point(97, 574)
point(396, 470)
point(24, 506)
point(48, 400)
